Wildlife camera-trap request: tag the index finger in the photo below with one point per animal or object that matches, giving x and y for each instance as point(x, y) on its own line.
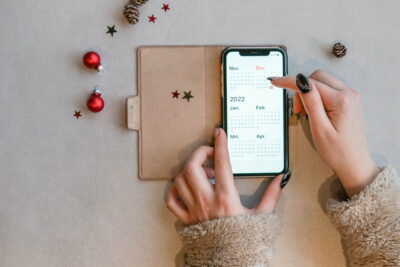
point(325, 92)
point(312, 101)
point(328, 79)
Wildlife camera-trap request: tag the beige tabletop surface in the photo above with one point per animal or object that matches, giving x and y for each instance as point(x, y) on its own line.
point(69, 192)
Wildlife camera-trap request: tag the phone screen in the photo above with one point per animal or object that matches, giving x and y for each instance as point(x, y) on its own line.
point(255, 111)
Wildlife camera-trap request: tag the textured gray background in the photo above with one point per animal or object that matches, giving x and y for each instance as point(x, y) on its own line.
point(69, 193)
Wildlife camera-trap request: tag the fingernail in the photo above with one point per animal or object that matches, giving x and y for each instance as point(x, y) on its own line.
point(286, 179)
point(302, 83)
point(272, 78)
point(216, 131)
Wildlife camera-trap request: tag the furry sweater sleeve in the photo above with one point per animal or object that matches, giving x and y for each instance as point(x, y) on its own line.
point(369, 222)
point(234, 241)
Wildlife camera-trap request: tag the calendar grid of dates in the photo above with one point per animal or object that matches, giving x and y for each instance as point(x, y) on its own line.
point(256, 120)
point(253, 129)
point(247, 78)
point(240, 149)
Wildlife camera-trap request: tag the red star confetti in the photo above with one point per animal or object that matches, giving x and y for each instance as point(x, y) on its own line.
point(188, 95)
point(152, 19)
point(165, 7)
point(175, 94)
point(77, 114)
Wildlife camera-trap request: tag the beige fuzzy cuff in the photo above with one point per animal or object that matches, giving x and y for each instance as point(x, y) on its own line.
point(369, 221)
point(245, 240)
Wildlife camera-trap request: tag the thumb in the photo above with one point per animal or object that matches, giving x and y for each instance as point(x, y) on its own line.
point(272, 193)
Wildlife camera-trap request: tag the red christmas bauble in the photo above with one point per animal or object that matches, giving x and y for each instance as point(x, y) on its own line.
point(95, 102)
point(92, 60)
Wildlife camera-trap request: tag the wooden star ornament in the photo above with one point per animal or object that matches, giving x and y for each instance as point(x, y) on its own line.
point(187, 95)
point(77, 114)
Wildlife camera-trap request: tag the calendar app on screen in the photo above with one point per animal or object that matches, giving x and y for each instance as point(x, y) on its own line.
point(255, 113)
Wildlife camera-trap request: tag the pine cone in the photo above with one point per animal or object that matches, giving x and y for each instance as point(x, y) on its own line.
point(138, 2)
point(131, 13)
point(339, 50)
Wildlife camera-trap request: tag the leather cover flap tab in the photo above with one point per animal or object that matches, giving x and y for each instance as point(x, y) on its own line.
point(133, 113)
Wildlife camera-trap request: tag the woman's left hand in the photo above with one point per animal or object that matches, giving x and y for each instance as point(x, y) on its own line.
point(193, 199)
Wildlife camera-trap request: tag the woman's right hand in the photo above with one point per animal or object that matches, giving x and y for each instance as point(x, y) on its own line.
point(335, 117)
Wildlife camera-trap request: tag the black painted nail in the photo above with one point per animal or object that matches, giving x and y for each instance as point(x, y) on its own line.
point(302, 83)
point(270, 78)
point(286, 179)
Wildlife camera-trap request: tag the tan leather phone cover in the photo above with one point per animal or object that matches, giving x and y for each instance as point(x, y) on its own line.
point(170, 129)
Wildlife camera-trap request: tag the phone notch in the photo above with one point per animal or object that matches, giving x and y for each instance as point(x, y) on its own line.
point(255, 52)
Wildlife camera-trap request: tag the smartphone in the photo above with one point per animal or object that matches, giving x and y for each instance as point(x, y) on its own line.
point(255, 115)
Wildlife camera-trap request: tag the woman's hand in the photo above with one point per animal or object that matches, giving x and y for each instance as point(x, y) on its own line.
point(335, 117)
point(193, 199)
